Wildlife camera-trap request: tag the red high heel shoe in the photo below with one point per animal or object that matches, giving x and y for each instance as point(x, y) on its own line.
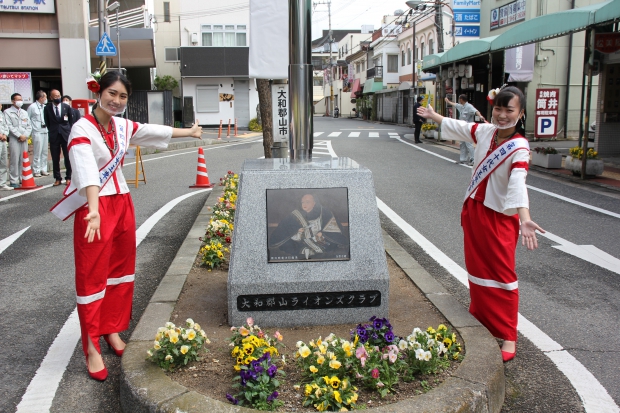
point(100, 375)
point(506, 356)
point(116, 351)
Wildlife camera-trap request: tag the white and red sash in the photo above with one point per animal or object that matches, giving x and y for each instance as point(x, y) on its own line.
point(493, 160)
point(73, 201)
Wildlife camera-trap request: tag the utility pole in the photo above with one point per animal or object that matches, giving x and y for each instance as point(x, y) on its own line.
point(331, 68)
point(101, 14)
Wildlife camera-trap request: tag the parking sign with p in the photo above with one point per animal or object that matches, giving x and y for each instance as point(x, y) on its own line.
point(547, 104)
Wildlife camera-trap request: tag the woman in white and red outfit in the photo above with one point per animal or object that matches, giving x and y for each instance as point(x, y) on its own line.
point(495, 209)
point(105, 226)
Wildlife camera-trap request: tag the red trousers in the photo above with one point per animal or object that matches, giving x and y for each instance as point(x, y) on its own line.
point(490, 243)
point(105, 269)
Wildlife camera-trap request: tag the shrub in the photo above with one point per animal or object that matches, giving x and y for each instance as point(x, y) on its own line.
point(255, 126)
point(545, 151)
point(577, 153)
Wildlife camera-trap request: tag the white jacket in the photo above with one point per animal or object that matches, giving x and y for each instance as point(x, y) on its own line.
point(4, 127)
point(18, 122)
point(88, 152)
point(506, 189)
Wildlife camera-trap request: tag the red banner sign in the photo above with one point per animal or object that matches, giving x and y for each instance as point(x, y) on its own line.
point(607, 42)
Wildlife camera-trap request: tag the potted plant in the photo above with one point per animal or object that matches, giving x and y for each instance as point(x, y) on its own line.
point(594, 166)
point(428, 129)
point(546, 158)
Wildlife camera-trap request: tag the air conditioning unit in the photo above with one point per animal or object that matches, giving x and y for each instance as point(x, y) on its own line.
point(194, 39)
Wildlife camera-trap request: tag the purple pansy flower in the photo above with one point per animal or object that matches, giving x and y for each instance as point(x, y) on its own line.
point(272, 396)
point(232, 399)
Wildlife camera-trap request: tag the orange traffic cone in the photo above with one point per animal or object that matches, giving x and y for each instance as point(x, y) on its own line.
point(202, 176)
point(27, 178)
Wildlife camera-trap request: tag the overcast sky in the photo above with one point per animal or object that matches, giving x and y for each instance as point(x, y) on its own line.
point(348, 14)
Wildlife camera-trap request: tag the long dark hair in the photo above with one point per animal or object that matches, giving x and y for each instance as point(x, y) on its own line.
point(112, 77)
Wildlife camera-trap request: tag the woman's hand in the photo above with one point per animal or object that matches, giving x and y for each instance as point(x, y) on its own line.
point(94, 223)
point(196, 131)
point(426, 112)
point(528, 234)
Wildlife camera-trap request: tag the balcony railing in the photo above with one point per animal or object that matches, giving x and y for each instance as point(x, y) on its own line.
point(137, 18)
point(376, 71)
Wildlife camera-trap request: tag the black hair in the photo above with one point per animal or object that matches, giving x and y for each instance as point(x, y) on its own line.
point(112, 77)
point(419, 99)
point(464, 97)
point(505, 95)
point(39, 94)
point(14, 95)
point(66, 97)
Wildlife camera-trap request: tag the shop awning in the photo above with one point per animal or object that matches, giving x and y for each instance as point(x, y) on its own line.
point(556, 24)
point(372, 86)
point(468, 49)
point(356, 88)
point(432, 60)
point(404, 86)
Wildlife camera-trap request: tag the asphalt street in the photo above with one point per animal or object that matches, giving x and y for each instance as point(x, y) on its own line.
point(573, 301)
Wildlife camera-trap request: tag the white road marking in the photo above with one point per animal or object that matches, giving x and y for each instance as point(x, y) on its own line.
point(21, 193)
point(370, 129)
point(588, 253)
point(43, 386)
point(594, 396)
point(318, 134)
point(6, 243)
point(354, 135)
point(373, 134)
point(393, 133)
point(334, 134)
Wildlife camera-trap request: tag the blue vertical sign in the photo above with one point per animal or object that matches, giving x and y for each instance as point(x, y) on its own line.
point(467, 18)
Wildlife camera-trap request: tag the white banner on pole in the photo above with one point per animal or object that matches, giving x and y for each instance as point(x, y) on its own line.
point(269, 39)
point(280, 109)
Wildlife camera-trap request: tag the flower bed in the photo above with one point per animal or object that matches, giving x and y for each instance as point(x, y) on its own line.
point(546, 158)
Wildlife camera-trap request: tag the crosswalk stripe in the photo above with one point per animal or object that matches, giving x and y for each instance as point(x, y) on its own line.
point(354, 135)
point(373, 134)
point(392, 133)
point(334, 134)
point(317, 134)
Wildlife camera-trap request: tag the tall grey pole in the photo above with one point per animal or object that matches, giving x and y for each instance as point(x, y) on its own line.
point(414, 61)
point(118, 40)
point(101, 14)
point(300, 81)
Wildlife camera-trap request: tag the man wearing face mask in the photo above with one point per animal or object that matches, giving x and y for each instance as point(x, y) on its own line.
point(19, 130)
point(76, 113)
point(4, 175)
point(40, 141)
point(59, 120)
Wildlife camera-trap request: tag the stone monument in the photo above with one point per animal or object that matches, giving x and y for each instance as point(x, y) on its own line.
point(290, 288)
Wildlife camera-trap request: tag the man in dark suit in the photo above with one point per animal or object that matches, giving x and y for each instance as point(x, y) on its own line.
point(59, 120)
point(417, 119)
point(76, 113)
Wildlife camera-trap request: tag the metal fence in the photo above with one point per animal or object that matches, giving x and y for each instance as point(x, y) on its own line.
point(151, 106)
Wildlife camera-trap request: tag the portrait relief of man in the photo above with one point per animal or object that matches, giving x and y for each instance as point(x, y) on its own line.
point(310, 231)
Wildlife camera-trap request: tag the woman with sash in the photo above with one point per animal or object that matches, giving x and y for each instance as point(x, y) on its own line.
point(105, 225)
point(495, 209)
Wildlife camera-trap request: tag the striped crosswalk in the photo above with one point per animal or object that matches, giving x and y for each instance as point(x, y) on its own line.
point(362, 134)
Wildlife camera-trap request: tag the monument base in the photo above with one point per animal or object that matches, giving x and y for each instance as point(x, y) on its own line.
point(338, 276)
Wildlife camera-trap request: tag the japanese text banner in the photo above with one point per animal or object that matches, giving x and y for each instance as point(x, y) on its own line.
point(269, 39)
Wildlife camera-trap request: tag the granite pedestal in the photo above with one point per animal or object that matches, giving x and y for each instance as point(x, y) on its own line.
point(306, 292)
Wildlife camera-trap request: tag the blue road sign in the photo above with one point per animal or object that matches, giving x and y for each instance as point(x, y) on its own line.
point(105, 47)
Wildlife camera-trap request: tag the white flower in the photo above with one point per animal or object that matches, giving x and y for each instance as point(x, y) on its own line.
point(430, 342)
point(416, 346)
point(330, 337)
point(442, 348)
point(493, 93)
point(150, 353)
point(419, 354)
point(299, 344)
point(427, 356)
point(416, 331)
point(402, 344)
point(168, 357)
point(161, 329)
point(170, 325)
point(190, 322)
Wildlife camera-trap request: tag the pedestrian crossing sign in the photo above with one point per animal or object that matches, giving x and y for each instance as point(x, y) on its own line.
point(105, 47)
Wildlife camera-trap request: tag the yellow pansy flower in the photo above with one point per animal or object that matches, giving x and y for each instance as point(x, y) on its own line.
point(337, 396)
point(191, 334)
point(313, 369)
point(308, 390)
point(304, 351)
point(335, 364)
point(184, 349)
point(320, 360)
point(335, 382)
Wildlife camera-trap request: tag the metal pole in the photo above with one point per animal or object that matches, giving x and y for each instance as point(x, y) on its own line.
point(490, 86)
point(454, 89)
point(101, 14)
point(414, 61)
point(331, 68)
point(583, 89)
point(439, 22)
point(118, 41)
point(588, 98)
point(300, 81)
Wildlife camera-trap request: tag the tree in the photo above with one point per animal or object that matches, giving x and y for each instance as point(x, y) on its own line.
point(165, 83)
point(264, 101)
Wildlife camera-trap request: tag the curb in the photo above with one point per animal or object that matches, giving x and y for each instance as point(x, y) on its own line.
point(478, 384)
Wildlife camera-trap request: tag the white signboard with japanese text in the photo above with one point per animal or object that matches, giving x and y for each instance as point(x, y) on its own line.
point(547, 105)
point(280, 111)
point(27, 6)
point(508, 14)
point(15, 82)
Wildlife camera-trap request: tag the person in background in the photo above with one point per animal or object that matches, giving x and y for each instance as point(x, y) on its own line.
point(468, 113)
point(76, 113)
point(417, 119)
point(19, 131)
point(4, 173)
point(495, 211)
point(40, 141)
point(59, 119)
